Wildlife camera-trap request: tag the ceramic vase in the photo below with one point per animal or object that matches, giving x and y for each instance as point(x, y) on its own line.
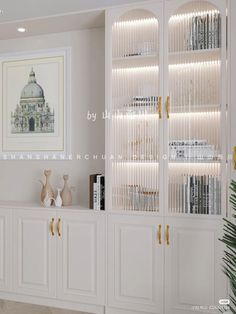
point(47, 202)
point(58, 200)
point(47, 188)
point(66, 194)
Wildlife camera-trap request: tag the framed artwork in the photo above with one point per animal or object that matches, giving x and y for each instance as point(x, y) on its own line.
point(35, 102)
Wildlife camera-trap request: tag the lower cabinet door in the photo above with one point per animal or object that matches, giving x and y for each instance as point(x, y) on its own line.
point(5, 249)
point(34, 252)
point(135, 263)
point(193, 266)
point(81, 257)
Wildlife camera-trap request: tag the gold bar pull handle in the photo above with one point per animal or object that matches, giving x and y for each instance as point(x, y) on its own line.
point(52, 227)
point(159, 234)
point(159, 107)
point(59, 227)
point(168, 107)
point(168, 235)
point(234, 157)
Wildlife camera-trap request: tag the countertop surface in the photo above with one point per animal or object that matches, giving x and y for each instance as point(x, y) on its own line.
point(38, 206)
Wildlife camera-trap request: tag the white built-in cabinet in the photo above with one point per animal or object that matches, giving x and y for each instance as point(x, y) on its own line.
point(167, 135)
point(53, 257)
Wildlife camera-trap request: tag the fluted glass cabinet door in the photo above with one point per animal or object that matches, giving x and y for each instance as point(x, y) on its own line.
point(135, 108)
point(196, 108)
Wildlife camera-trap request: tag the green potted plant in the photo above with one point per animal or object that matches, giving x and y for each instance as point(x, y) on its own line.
point(229, 259)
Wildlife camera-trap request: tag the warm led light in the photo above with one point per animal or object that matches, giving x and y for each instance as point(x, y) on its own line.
point(200, 164)
point(21, 30)
point(136, 69)
point(137, 163)
point(194, 114)
point(133, 23)
point(177, 17)
point(195, 64)
point(137, 116)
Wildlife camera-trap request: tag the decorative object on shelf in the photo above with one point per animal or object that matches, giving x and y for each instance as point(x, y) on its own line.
point(58, 200)
point(47, 202)
point(66, 193)
point(191, 150)
point(47, 189)
point(229, 239)
point(33, 89)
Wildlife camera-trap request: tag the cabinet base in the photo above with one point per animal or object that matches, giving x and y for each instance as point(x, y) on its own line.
point(95, 309)
point(111, 310)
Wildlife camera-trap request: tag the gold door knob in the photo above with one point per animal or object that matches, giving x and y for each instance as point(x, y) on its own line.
point(168, 107)
point(235, 157)
point(52, 227)
point(159, 107)
point(168, 235)
point(159, 234)
point(59, 227)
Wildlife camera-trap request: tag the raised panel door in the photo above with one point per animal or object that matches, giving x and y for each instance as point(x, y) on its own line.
point(135, 263)
point(34, 253)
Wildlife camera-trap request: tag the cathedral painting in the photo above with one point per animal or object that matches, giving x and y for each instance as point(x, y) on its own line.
point(32, 114)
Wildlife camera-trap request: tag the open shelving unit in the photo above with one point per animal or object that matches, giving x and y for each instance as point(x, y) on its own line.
point(166, 191)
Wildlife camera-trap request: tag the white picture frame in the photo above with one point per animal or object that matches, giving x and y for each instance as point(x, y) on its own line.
point(35, 103)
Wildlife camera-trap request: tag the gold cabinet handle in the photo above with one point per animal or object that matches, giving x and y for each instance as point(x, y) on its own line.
point(159, 234)
point(159, 107)
point(234, 157)
point(168, 107)
point(59, 227)
point(168, 235)
point(52, 227)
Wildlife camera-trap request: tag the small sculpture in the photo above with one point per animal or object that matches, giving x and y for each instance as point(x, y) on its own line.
point(47, 202)
point(58, 200)
point(66, 194)
point(46, 188)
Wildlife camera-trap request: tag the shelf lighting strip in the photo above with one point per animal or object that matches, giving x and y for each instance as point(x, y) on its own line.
point(178, 17)
point(171, 66)
point(135, 22)
point(174, 115)
point(196, 64)
point(136, 69)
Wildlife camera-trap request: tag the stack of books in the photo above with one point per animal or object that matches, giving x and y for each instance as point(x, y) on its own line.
point(201, 194)
point(191, 149)
point(140, 103)
point(205, 31)
point(97, 192)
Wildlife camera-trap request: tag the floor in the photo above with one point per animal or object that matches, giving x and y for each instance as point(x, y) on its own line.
point(21, 308)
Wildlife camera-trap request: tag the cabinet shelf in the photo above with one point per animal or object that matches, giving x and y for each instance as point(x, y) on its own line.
point(194, 56)
point(177, 110)
point(135, 61)
point(194, 161)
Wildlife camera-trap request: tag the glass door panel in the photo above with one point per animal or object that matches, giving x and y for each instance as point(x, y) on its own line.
point(135, 112)
point(195, 110)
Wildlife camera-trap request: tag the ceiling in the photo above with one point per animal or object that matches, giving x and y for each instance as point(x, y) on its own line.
point(15, 10)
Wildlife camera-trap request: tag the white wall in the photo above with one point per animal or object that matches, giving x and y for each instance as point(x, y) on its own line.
point(19, 179)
